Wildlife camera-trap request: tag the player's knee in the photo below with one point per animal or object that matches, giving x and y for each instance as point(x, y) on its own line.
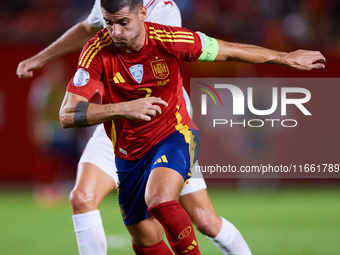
point(151, 238)
point(207, 224)
point(81, 202)
point(152, 200)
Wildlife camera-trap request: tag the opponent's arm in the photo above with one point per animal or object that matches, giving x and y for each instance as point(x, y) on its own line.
point(76, 111)
point(218, 50)
point(73, 39)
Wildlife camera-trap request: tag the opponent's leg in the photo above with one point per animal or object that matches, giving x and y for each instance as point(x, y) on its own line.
point(229, 240)
point(220, 231)
point(162, 192)
point(92, 185)
point(201, 212)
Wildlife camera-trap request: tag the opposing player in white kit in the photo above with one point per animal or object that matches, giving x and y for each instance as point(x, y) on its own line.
point(97, 161)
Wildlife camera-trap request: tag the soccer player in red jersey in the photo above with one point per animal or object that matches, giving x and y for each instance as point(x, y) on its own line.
point(96, 173)
point(137, 51)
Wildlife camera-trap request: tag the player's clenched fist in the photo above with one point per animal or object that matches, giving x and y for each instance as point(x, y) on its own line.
point(143, 108)
point(25, 68)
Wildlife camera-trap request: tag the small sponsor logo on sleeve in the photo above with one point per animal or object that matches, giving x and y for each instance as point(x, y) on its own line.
point(81, 78)
point(201, 35)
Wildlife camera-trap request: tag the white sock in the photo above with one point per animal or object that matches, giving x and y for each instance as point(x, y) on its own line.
point(230, 241)
point(90, 233)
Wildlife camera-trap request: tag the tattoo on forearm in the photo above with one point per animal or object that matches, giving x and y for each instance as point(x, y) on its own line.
point(80, 115)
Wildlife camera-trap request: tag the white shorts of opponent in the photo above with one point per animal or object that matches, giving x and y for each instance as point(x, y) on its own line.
point(99, 152)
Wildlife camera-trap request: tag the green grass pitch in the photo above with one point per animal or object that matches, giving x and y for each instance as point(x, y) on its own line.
point(299, 221)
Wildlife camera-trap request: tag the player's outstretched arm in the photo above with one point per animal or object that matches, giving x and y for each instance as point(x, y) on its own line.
point(304, 60)
point(76, 111)
point(73, 39)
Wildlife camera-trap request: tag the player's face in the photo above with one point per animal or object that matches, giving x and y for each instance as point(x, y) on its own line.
point(125, 28)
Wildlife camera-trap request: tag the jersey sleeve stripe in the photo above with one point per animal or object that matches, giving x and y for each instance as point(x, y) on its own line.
point(92, 45)
point(171, 40)
point(95, 52)
point(170, 36)
point(95, 49)
point(173, 35)
point(169, 32)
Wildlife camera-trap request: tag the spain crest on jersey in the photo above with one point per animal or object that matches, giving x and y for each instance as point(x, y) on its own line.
point(137, 72)
point(160, 69)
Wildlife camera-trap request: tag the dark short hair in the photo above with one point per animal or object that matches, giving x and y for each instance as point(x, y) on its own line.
point(113, 6)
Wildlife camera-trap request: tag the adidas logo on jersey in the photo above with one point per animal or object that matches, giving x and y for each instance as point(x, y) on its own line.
point(118, 78)
point(161, 159)
point(191, 246)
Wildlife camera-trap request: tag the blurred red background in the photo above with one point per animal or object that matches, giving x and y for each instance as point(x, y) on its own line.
point(283, 25)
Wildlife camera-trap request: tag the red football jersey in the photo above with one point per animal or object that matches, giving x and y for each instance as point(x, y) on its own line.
point(152, 71)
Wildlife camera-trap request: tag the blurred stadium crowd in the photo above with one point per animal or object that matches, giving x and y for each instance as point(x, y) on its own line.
point(50, 154)
point(279, 24)
point(39, 21)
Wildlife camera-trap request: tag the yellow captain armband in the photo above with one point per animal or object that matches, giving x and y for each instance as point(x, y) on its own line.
point(209, 48)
